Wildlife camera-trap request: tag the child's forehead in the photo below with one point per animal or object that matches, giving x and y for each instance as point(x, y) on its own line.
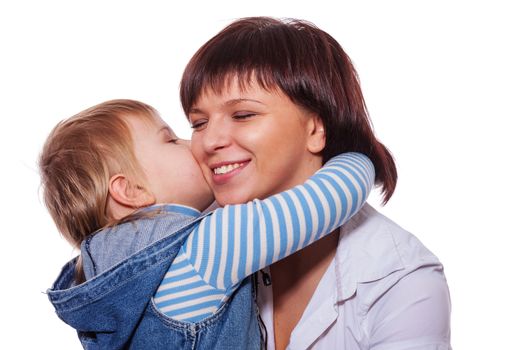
point(143, 121)
point(163, 126)
point(149, 119)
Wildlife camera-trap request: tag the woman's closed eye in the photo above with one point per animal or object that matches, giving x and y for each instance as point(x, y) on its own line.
point(199, 124)
point(243, 115)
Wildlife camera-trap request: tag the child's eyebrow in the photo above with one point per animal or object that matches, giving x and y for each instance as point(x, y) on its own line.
point(166, 129)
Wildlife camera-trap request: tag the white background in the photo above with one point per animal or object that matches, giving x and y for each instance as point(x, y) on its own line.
point(437, 77)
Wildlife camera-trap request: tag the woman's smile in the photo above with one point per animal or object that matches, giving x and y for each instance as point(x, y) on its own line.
point(224, 171)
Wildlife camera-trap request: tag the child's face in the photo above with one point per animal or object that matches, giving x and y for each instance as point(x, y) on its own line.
point(172, 173)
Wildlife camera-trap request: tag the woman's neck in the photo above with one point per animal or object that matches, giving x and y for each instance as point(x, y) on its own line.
point(295, 279)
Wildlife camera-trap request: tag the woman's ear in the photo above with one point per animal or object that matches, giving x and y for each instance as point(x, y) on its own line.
point(129, 195)
point(316, 134)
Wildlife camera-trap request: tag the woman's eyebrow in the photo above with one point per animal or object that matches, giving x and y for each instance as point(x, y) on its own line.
point(229, 103)
point(196, 110)
point(240, 100)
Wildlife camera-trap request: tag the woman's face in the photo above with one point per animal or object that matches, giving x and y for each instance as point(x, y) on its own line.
point(252, 143)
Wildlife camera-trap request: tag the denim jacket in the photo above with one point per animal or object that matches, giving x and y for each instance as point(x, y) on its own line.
point(114, 309)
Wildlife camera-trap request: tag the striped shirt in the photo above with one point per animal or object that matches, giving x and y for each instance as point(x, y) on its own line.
point(233, 242)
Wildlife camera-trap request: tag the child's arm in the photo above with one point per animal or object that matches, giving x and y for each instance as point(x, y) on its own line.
point(237, 240)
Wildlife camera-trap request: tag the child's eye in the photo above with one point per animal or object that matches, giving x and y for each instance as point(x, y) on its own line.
point(172, 140)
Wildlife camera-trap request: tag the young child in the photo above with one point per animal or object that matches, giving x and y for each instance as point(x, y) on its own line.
point(153, 271)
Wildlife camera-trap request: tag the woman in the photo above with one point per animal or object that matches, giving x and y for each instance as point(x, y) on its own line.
point(271, 101)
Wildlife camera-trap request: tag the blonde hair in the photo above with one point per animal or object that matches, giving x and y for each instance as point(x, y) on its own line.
point(78, 159)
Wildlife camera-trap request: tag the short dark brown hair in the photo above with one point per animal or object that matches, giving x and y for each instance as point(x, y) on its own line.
point(309, 66)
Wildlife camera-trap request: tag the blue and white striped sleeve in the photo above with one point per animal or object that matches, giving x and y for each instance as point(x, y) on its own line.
point(237, 240)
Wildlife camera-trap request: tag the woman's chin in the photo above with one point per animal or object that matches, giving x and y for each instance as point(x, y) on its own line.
point(232, 198)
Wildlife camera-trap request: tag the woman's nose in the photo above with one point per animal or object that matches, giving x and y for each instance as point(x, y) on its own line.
point(216, 136)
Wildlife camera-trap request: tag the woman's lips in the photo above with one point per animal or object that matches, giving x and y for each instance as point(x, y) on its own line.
point(225, 171)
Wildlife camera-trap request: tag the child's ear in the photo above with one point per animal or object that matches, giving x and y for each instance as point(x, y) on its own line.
point(316, 134)
point(128, 194)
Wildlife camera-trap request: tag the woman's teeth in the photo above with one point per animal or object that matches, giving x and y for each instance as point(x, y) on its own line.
point(227, 168)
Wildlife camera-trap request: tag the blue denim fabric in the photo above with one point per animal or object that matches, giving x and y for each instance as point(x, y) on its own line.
point(112, 245)
point(114, 310)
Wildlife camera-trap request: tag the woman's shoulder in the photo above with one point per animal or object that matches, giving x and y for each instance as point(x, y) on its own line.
point(372, 247)
point(380, 238)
